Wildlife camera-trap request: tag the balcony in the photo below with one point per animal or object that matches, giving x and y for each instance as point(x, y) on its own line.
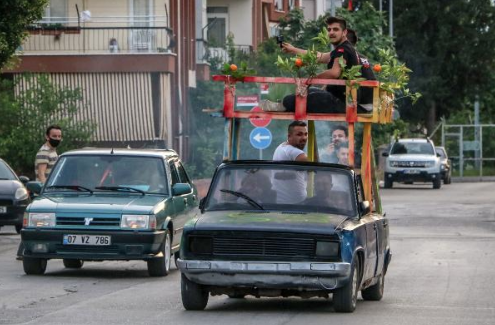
point(97, 40)
point(205, 53)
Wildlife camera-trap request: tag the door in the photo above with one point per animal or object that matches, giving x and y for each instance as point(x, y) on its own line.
point(371, 237)
point(142, 38)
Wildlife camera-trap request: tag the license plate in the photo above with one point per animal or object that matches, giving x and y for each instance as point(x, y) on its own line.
point(411, 171)
point(93, 240)
point(3, 209)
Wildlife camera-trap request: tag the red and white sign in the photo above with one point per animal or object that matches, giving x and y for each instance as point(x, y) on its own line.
point(251, 100)
point(264, 88)
point(259, 122)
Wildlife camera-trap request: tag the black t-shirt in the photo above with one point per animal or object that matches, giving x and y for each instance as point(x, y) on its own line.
point(352, 57)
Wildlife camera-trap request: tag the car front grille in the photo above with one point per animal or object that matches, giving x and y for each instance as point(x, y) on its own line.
point(266, 246)
point(411, 164)
point(83, 221)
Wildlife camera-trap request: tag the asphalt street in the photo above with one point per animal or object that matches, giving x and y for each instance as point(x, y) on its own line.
point(443, 245)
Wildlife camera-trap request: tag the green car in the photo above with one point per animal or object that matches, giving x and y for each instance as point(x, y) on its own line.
point(106, 204)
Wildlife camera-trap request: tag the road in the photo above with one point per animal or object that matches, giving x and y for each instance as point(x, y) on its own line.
point(442, 272)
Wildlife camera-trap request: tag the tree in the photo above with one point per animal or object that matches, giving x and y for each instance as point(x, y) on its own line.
point(26, 115)
point(16, 16)
point(450, 46)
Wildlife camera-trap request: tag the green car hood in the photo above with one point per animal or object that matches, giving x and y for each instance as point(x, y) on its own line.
point(269, 221)
point(133, 204)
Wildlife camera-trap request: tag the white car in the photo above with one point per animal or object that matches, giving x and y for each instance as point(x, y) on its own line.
point(413, 160)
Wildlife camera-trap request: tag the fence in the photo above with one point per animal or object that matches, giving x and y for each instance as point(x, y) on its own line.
point(471, 149)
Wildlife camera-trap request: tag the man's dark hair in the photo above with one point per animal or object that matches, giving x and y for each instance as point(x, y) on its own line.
point(338, 20)
point(344, 144)
point(294, 124)
point(352, 36)
point(52, 127)
point(340, 127)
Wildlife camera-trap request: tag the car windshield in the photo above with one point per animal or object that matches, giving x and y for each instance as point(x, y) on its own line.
point(85, 173)
point(5, 172)
point(412, 148)
point(285, 188)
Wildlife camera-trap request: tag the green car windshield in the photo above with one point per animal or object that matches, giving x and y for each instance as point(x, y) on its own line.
point(109, 173)
point(283, 188)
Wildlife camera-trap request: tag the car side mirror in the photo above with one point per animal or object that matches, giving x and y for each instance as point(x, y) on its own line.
point(439, 155)
point(24, 179)
point(365, 207)
point(181, 189)
point(385, 154)
point(34, 187)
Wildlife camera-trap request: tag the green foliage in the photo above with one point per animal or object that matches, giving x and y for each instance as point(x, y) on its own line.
point(238, 72)
point(16, 16)
point(27, 115)
point(300, 66)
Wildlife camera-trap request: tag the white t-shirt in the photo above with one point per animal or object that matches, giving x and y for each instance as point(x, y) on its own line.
point(290, 191)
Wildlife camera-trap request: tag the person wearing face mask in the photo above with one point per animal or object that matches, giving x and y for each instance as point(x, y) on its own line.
point(47, 155)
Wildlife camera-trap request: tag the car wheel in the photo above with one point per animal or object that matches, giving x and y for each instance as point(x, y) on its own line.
point(176, 257)
point(448, 179)
point(18, 228)
point(73, 264)
point(388, 183)
point(345, 298)
point(33, 265)
point(437, 183)
point(194, 295)
point(161, 266)
point(375, 292)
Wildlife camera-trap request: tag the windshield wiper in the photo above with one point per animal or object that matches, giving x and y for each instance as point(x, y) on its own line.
point(245, 197)
point(72, 187)
point(120, 188)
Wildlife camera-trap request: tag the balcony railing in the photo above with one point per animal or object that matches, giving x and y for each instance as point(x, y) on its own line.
point(97, 40)
point(204, 52)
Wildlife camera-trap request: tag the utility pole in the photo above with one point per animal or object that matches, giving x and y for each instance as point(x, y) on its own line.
point(390, 17)
point(332, 8)
point(477, 154)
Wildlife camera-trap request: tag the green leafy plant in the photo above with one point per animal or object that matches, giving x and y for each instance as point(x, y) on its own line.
point(236, 72)
point(352, 75)
point(394, 76)
point(301, 65)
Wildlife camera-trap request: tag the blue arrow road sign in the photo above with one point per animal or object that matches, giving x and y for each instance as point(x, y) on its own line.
point(260, 138)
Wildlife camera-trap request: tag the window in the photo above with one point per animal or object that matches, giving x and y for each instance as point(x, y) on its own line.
point(279, 5)
point(56, 12)
point(292, 4)
point(182, 173)
point(173, 172)
point(217, 26)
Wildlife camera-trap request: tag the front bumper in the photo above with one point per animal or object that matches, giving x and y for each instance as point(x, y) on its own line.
point(13, 216)
point(125, 244)
point(407, 176)
point(255, 274)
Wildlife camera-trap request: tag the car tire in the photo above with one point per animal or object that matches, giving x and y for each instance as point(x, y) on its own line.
point(176, 257)
point(388, 183)
point(18, 228)
point(34, 266)
point(437, 183)
point(194, 295)
point(161, 266)
point(345, 298)
point(375, 292)
point(447, 179)
point(73, 264)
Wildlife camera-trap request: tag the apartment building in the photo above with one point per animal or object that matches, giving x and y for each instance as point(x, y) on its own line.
point(133, 59)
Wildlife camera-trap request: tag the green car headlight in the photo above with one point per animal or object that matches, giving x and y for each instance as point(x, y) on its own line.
point(41, 220)
point(327, 249)
point(133, 221)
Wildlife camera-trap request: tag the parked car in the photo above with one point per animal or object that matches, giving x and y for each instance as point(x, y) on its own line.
point(255, 236)
point(413, 160)
point(14, 197)
point(446, 165)
point(106, 204)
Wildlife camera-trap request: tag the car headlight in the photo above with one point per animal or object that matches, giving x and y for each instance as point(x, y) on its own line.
point(135, 221)
point(327, 249)
point(442, 167)
point(394, 163)
point(200, 245)
point(21, 194)
point(429, 164)
point(40, 219)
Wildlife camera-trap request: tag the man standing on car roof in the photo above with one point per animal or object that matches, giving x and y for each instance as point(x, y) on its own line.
point(291, 186)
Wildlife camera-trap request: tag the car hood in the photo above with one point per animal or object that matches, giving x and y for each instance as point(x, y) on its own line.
point(134, 204)
point(9, 187)
point(316, 223)
point(406, 157)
